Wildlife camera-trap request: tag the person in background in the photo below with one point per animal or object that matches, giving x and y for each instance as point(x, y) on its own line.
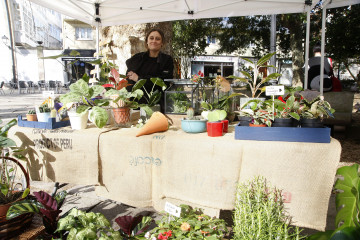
point(152, 63)
point(314, 71)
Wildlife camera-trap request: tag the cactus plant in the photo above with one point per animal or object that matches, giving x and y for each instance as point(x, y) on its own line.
point(190, 113)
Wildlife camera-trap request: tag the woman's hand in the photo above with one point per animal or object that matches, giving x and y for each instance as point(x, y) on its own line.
point(133, 76)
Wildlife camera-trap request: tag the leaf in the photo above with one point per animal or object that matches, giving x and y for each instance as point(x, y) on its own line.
point(7, 126)
point(54, 57)
point(66, 223)
point(265, 58)
point(321, 235)
point(97, 90)
point(217, 115)
point(60, 198)
point(147, 110)
point(139, 84)
point(159, 82)
point(115, 74)
point(154, 98)
point(128, 223)
point(6, 142)
point(206, 106)
point(348, 233)
point(272, 76)
point(80, 87)
point(51, 215)
point(248, 60)
point(74, 53)
point(21, 207)
point(99, 116)
point(295, 115)
point(247, 75)
point(142, 226)
point(25, 193)
point(347, 202)
point(46, 200)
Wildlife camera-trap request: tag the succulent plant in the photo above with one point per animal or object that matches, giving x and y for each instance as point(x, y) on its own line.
point(190, 113)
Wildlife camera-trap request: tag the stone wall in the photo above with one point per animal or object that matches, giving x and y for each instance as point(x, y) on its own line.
point(128, 40)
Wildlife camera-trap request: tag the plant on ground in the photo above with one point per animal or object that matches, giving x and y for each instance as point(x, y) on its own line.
point(260, 214)
point(347, 206)
point(80, 225)
point(192, 224)
point(41, 203)
point(132, 228)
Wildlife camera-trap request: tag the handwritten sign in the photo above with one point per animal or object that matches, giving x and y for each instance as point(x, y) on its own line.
point(172, 209)
point(274, 90)
point(47, 94)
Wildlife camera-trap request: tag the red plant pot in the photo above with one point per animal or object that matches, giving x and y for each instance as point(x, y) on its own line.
point(226, 125)
point(215, 129)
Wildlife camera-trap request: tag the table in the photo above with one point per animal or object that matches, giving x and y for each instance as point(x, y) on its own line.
point(184, 168)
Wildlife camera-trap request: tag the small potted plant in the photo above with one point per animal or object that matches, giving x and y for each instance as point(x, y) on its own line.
point(217, 125)
point(31, 115)
point(193, 124)
point(44, 112)
point(123, 101)
point(260, 113)
point(314, 109)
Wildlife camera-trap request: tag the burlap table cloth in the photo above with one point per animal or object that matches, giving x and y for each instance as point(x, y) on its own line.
point(60, 155)
point(188, 168)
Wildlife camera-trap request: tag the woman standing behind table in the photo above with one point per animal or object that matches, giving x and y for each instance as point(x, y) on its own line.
point(152, 63)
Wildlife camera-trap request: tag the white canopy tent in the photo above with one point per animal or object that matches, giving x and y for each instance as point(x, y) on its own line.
point(121, 12)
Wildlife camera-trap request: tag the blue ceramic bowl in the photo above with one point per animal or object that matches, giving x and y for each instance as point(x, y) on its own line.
point(193, 126)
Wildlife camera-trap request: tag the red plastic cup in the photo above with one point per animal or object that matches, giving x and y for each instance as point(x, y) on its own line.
point(226, 125)
point(215, 129)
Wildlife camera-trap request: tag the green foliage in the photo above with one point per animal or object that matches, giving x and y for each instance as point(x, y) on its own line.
point(129, 98)
point(217, 115)
point(192, 224)
point(31, 111)
point(347, 205)
point(260, 214)
point(152, 97)
point(179, 101)
point(44, 108)
point(314, 106)
point(79, 225)
point(259, 111)
point(81, 94)
point(253, 79)
point(6, 142)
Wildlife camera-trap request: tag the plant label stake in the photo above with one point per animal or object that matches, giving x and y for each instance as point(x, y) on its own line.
point(272, 91)
point(172, 210)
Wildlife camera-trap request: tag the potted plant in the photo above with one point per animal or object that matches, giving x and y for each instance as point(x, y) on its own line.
point(314, 109)
point(46, 205)
point(43, 112)
point(260, 113)
point(192, 224)
point(31, 115)
point(254, 80)
point(217, 125)
point(80, 99)
point(193, 124)
point(124, 101)
point(286, 109)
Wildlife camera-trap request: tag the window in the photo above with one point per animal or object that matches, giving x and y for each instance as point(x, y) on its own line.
point(83, 33)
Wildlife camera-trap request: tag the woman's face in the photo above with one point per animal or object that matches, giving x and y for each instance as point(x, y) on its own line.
point(154, 41)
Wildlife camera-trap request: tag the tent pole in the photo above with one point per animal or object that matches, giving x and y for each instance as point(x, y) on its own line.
point(273, 43)
point(97, 49)
point(307, 49)
point(323, 29)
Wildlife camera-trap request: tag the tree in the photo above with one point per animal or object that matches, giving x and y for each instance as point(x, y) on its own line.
point(190, 40)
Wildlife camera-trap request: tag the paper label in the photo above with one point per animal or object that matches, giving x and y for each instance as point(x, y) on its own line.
point(172, 209)
point(274, 90)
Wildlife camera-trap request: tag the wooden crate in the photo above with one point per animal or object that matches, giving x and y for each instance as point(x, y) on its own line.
point(51, 124)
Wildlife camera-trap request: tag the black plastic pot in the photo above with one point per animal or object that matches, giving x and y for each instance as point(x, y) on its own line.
point(311, 123)
point(283, 122)
point(244, 121)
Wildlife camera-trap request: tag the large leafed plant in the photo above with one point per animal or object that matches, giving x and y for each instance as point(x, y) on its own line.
point(84, 98)
point(347, 203)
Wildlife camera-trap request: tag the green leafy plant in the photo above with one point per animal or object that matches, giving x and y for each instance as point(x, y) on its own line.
point(216, 115)
point(254, 80)
point(79, 225)
point(44, 108)
point(314, 106)
point(133, 227)
point(31, 111)
point(287, 106)
point(260, 213)
point(179, 101)
point(83, 98)
point(41, 203)
point(192, 224)
point(124, 98)
point(259, 111)
point(347, 206)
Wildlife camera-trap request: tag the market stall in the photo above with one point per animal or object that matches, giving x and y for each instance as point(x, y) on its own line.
point(184, 168)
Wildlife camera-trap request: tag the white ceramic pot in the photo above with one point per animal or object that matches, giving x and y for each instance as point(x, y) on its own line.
point(43, 117)
point(78, 121)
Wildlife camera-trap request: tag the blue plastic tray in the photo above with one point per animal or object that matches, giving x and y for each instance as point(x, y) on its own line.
point(51, 124)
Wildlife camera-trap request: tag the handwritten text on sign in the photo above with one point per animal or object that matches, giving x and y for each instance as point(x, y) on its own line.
point(274, 90)
point(172, 209)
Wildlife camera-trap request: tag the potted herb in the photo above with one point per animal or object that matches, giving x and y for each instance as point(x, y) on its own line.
point(124, 101)
point(193, 124)
point(80, 99)
point(254, 80)
point(31, 115)
point(314, 109)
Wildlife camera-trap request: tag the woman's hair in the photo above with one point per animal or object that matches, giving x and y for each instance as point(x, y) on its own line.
point(154, 30)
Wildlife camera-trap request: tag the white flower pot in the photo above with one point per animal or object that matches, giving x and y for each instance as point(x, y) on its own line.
point(78, 121)
point(43, 117)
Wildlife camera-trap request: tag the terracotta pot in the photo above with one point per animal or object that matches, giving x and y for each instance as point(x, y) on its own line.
point(122, 116)
point(157, 123)
point(215, 129)
point(31, 117)
point(257, 125)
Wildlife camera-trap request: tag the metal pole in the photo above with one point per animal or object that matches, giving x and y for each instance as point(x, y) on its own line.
point(273, 42)
point(307, 49)
point(323, 29)
point(12, 45)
